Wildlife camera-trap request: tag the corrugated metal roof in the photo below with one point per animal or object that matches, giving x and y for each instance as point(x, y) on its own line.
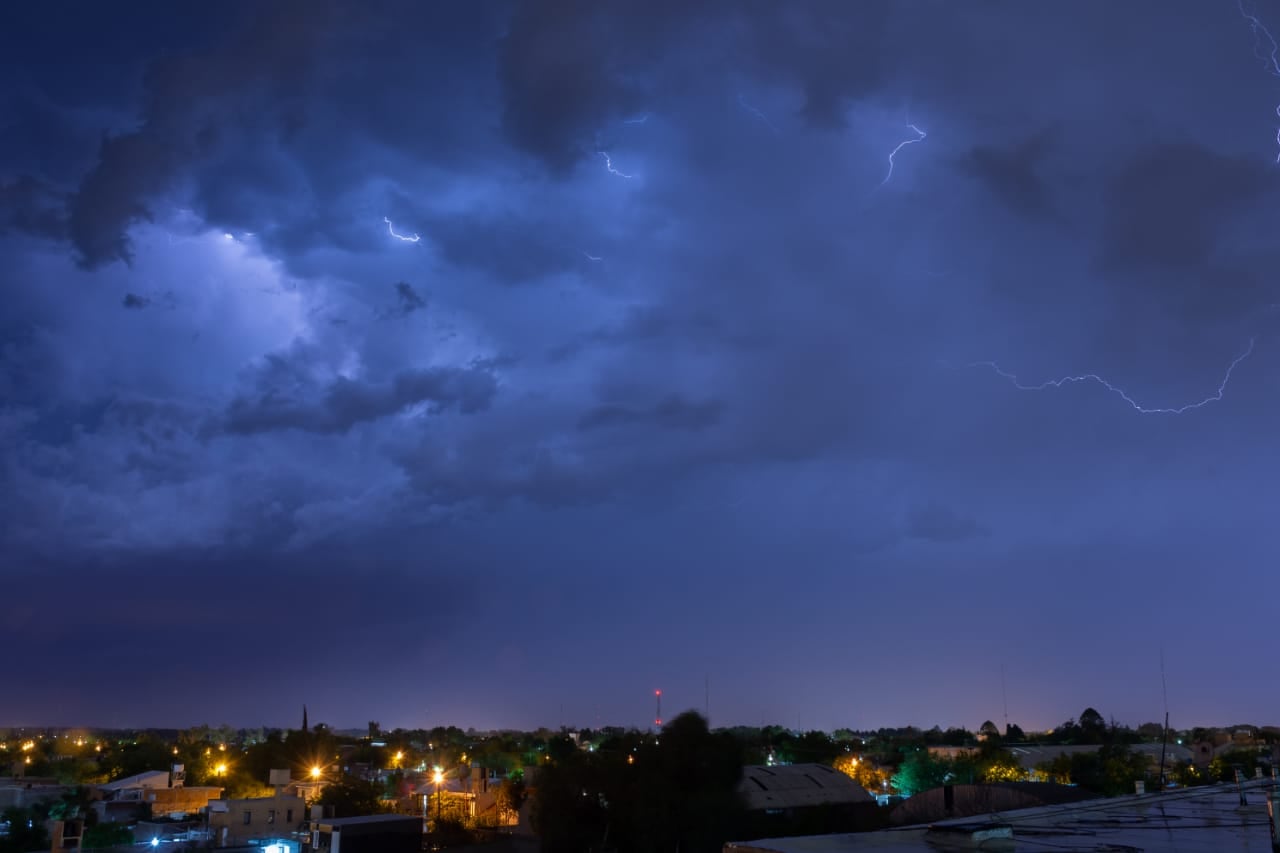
point(790, 786)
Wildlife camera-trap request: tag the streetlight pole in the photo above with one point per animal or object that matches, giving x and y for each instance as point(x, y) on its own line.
point(438, 777)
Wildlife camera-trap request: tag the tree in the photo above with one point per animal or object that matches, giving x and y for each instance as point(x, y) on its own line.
point(512, 794)
point(988, 731)
point(920, 771)
point(26, 832)
point(1001, 766)
point(1093, 728)
point(636, 793)
point(352, 797)
point(106, 835)
point(1014, 733)
point(863, 771)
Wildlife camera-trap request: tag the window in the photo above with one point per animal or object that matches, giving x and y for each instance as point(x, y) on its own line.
point(288, 816)
point(271, 815)
point(248, 817)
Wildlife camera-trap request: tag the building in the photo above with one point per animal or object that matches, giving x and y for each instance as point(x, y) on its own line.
point(155, 793)
point(1188, 820)
point(787, 787)
point(960, 800)
point(258, 820)
point(24, 792)
point(379, 833)
point(804, 799)
point(1031, 755)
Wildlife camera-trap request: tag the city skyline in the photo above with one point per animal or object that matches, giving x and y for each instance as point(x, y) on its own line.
point(498, 364)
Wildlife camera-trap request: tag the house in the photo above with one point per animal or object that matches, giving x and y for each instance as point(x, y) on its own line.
point(154, 793)
point(804, 799)
point(786, 787)
point(256, 819)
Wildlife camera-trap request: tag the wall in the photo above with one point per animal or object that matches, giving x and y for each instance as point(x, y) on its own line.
point(259, 809)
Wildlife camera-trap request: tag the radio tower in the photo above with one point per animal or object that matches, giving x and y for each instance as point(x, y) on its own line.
point(657, 716)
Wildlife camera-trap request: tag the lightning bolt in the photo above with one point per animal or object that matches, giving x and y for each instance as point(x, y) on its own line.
point(742, 102)
point(920, 137)
point(591, 257)
point(638, 120)
point(608, 164)
point(1270, 58)
point(392, 231)
point(1120, 392)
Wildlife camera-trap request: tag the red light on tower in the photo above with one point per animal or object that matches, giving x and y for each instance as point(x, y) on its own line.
point(657, 717)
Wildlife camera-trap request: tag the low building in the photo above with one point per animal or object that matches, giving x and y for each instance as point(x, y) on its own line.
point(153, 794)
point(379, 833)
point(1029, 756)
point(20, 792)
point(1192, 819)
point(804, 799)
point(951, 801)
point(256, 820)
point(786, 787)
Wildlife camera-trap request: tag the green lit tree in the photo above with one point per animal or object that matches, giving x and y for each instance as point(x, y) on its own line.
point(920, 771)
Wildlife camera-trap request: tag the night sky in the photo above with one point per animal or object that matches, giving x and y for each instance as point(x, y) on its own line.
point(497, 364)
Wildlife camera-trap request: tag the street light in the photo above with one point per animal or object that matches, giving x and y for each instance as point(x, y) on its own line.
point(315, 771)
point(438, 778)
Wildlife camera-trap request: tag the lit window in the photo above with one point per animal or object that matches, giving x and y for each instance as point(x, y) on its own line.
point(271, 815)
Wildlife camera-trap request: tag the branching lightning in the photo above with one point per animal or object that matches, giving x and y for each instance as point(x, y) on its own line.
point(637, 120)
point(742, 102)
point(608, 164)
point(403, 238)
point(920, 137)
point(1120, 392)
point(1267, 51)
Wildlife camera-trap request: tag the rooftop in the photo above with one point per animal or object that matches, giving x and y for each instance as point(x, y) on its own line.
point(1189, 820)
point(790, 786)
point(341, 822)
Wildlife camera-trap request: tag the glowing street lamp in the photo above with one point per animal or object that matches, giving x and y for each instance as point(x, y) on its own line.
point(438, 777)
point(315, 771)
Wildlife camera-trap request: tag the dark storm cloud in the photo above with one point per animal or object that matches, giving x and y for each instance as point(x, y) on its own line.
point(408, 300)
point(346, 402)
point(939, 523)
point(1171, 204)
point(641, 323)
point(571, 68)
point(672, 412)
point(833, 54)
point(1012, 176)
point(648, 325)
point(747, 379)
point(515, 250)
point(190, 98)
point(29, 206)
point(242, 597)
